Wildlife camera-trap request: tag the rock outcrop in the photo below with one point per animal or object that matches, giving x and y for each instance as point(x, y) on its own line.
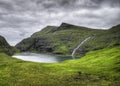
point(5, 47)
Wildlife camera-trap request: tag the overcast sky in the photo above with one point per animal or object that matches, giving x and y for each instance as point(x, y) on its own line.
point(21, 18)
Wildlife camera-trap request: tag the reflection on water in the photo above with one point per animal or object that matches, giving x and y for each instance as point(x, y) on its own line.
point(43, 58)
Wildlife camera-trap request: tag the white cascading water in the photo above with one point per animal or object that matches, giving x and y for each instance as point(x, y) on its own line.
point(79, 46)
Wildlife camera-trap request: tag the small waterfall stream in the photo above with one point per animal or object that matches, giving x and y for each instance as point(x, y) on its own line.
point(79, 46)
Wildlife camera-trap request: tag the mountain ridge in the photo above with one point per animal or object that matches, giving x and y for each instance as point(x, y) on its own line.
point(63, 39)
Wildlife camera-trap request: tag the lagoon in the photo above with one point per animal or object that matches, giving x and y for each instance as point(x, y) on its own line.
point(42, 58)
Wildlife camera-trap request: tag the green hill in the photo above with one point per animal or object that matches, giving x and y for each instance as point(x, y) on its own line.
point(63, 39)
point(5, 47)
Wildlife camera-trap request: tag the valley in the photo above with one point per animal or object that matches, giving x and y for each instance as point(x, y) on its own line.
point(98, 63)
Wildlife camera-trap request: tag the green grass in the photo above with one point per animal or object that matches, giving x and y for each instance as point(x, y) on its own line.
point(96, 68)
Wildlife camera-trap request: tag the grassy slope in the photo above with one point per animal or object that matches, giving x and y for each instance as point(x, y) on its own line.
point(96, 68)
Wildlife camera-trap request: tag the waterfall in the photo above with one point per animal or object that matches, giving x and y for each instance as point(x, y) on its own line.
point(79, 46)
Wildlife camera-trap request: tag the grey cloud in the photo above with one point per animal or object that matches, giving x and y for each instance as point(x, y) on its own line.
point(5, 5)
point(20, 18)
point(113, 3)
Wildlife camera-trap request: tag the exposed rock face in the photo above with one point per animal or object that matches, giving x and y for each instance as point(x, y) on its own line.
point(42, 45)
point(63, 39)
point(65, 25)
point(37, 44)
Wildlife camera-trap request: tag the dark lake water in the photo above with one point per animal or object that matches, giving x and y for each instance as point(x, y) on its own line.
point(42, 58)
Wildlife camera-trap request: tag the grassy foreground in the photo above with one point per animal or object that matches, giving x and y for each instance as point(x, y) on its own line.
point(96, 68)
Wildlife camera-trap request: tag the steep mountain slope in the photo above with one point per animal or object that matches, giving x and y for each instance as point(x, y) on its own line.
point(63, 39)
point(5, 47)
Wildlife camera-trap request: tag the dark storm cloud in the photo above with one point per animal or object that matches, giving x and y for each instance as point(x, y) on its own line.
point(20, 18)
point(6, 5)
